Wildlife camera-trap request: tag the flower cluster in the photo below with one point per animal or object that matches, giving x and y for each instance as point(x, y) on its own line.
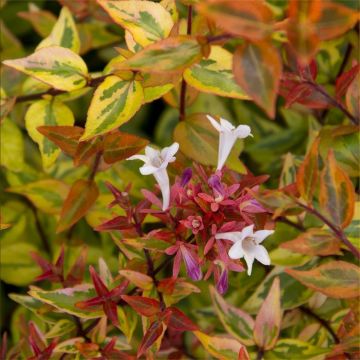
point(209, 218)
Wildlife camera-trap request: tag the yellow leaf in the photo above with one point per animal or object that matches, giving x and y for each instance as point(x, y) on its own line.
point(54, 65)
point(147, 21)
point(45, 113)
point(115, 101)
point(214, 75)
point(64, 33)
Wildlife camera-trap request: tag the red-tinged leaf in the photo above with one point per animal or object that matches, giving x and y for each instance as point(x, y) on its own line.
point(314, 242)
point(143, 305)
point(337, 195)
point(100, 287)
point(76, 272)
point(257, 69)
point(344, 80)
point(65, 137)
point(178, 320)
point(3, 346)
point(220, 347)
point(110, 309)
point(119, 146)
point(86, 150)
point(248, 19)
point(243, 354)
point(139, 279)
point(81, 197)
point(336, 279)
point(152, 334)
point(268, 319)
point(307, 175)
point(117, 223)
point(353, 97)
point(297, 93)
point(334, 19)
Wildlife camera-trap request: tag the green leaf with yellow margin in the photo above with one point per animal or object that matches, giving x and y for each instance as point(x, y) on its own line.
point(147, 21)
point(62, 327)
point(220, 347)
point(64, 33)
point(54, 65)
point(65, 300)
point(47, 113)
point(115, 101)
point(199, 141)
point(17, 266)
point(297, 349)
point(214, 75)
point(44, 311)
point(268, 320)
point(336, 279)
point(11, 146)
point(47, 195)
point(236, 322)
point(171, 55)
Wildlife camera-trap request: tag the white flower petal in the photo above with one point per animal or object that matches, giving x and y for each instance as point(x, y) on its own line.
point(144, 158)
point(243, 131)
point(234, 236)
point(261, 235)
point(162, 179)
point(248, 231)
point(168, 153)
point(226, 143)
point(236, 251)
point(226, 125)
point(249, 262)
point(148, 169)
point(151, 153)
point(262, 255)
point(214, 123)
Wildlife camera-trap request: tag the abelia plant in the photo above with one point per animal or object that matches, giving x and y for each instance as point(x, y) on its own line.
point(180, 179)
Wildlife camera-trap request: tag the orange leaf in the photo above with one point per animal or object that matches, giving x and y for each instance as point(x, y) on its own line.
point(119, 146)
point(248, 19)
point(86, 150)
point(257, 69)
point(139, 279)
point(300, 28)
point(336, 279)
point(353, 97)
point(334, 20)
point(314, 242)
point(65, 137)
point(268, 320)
point(337, 195)
point(306, 177)
point(81, 197)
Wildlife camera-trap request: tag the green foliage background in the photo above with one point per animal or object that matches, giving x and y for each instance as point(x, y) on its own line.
point(277, 148)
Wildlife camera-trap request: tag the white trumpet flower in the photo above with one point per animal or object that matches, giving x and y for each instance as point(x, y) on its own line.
point(247, 245)
point(228, 136)
point(155, 163)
